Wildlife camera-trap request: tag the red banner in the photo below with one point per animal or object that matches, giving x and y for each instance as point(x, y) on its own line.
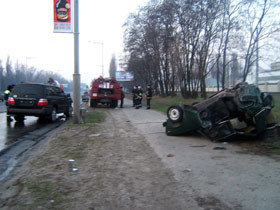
point(63, 16)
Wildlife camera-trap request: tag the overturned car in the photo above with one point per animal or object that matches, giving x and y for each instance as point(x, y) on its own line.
point(241, 110)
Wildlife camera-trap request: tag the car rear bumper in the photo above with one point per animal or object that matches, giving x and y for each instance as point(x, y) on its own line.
point(29, 112)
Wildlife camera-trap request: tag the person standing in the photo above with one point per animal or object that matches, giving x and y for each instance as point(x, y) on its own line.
point(122, 97)
point(6, 97)
point(139, 95)
point(149, 95)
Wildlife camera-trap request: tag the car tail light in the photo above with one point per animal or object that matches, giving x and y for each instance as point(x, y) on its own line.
point(43, 102)
point(11, 101)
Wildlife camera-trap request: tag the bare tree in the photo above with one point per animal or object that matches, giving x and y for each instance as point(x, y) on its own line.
point(175, 44)
point(113, 66)
point(21, 73)
point(259, 27)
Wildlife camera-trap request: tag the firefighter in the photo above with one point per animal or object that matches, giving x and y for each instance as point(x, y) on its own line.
point(149, 95)
point(139, 96)
point(6, 96)
point(122, 97)
point(134, 95)
point(51, 81)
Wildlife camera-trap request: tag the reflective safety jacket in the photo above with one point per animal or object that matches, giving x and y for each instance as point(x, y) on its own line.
point(7, 93)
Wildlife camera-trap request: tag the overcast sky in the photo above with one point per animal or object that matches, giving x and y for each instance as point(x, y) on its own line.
point(27, 35)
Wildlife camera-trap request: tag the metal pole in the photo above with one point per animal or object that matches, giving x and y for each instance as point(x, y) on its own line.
point(76, 75)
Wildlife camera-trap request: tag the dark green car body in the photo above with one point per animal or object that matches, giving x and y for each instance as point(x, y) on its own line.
point(241, 110)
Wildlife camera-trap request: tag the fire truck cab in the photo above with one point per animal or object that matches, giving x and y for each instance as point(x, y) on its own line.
point(105, 91)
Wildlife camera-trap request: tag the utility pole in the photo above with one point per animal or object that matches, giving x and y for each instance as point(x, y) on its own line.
point(76, 75)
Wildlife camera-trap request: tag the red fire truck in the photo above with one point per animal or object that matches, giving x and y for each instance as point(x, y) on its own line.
point(105, 91)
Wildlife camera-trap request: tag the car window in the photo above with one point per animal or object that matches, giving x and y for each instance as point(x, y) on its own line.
point(27, 89)
point(50, 91)
point(58, 91)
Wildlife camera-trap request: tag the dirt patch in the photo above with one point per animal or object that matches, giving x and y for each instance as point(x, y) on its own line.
point(266, 145)
point(109, 166)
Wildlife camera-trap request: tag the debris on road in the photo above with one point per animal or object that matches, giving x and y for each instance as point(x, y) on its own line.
point(219, 148)
point(187, 170)
point(198, 146)
point(94, 135)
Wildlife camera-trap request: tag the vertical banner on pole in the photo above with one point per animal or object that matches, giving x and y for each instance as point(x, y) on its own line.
point(63, 20)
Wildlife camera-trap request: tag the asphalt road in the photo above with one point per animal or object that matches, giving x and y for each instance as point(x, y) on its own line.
point(10, 132)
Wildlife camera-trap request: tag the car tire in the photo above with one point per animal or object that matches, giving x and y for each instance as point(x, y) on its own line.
point(42, 118)
point(267, 100)
point(53, 115)
point(175, 113)
point(93, 103)
point(205, 114)
point(19, 118)
point(69, 112)
point(114, 104)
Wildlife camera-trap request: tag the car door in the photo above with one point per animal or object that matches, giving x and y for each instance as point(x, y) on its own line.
point(51, 96)
point(62, 101)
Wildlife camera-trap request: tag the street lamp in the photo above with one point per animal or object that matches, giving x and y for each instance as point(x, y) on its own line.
point(76, 75)
point(102, 45)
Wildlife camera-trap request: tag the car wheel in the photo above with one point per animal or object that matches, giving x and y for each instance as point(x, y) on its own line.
point(93, 103)
point(268, 100)
point(19, 118)
point(204, 114)
point(175, 113)
point(69, 112)
point(114, 104)
point(42, 119)
point(53, 115)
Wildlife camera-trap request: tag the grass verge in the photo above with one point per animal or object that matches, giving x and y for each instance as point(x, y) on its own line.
point(95, 116)
point(48, 183)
